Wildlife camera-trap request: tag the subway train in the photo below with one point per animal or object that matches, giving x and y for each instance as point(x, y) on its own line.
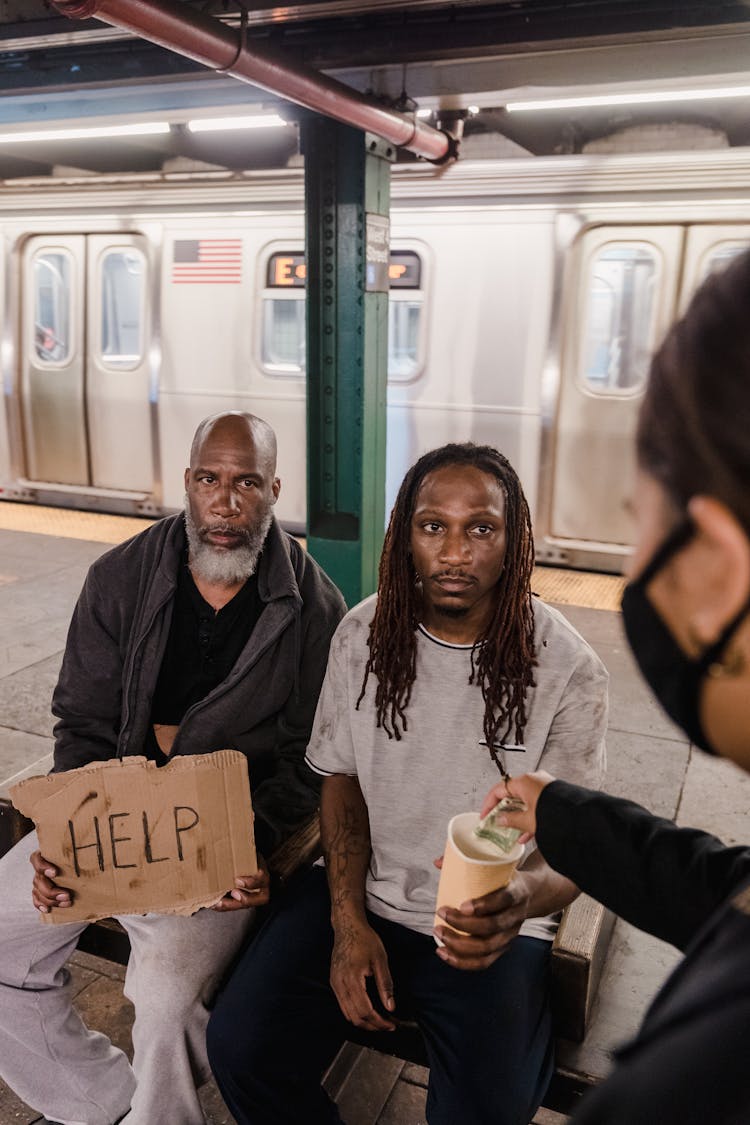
point(526, 297)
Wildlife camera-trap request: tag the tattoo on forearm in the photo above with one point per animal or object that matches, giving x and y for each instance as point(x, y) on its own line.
point(343, 945)
point(346, 849)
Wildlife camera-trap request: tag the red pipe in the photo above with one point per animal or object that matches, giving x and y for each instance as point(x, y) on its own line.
point(198, 37)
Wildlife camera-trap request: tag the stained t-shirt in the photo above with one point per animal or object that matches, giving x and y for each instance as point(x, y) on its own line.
point(441, 765)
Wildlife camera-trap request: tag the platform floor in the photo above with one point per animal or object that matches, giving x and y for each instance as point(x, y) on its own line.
point(41, 572)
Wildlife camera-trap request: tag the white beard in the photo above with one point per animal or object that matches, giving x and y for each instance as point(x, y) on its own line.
point(225, 567)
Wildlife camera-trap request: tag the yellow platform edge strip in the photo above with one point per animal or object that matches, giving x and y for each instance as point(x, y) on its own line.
point(96, 527)
point(572, 587)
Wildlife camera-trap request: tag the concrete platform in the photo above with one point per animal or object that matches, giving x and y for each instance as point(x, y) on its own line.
point(649, 761)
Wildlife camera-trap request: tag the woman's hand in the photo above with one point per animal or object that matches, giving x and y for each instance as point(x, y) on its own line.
point(528, 787)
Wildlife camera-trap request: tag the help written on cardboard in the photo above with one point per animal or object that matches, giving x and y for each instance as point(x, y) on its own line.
point(130, 838)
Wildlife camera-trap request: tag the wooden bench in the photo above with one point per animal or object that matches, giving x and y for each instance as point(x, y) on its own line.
point(578, 955)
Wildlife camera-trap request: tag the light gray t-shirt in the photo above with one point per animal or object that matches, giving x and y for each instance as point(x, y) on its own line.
point(441, 765)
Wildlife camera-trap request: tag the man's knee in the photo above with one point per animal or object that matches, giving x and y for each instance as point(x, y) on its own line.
point(31, 954)
point(166, 992)
point(225, 1054)
point(240, 1046)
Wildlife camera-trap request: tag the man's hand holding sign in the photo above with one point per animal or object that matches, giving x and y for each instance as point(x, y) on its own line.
point(128, 838)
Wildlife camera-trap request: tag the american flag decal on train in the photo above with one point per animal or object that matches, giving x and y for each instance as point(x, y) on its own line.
point(207, 261)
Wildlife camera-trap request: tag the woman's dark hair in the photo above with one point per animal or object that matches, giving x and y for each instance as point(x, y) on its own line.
point(694, 425)
point(503, 656)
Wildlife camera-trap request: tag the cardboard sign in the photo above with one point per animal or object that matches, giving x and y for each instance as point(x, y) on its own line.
point(129, 838)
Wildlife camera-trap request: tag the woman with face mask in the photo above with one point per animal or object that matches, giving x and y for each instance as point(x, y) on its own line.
point(686, 612)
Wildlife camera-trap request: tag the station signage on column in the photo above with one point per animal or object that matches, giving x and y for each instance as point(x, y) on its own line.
point(377, 243)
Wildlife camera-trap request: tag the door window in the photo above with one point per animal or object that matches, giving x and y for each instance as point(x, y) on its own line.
point(720, 256)
point(52, 272)
point(122, 278)
point(620, 316)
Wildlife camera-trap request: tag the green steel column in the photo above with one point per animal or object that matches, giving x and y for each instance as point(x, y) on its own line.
point(347, 198)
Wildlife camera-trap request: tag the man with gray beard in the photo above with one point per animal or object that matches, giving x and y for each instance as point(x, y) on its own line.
point(209, 630)
point(224, 550)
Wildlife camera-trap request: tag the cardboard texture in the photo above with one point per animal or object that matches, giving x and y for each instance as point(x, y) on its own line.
point(467, 872)
point(129, 838)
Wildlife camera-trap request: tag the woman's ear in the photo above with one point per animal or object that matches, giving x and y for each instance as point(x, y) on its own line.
point(714, 570)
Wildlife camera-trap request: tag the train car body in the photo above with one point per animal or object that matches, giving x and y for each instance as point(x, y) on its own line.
point(527, 295)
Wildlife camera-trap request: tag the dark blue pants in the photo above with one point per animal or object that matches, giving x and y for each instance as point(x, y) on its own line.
point(277, 1025)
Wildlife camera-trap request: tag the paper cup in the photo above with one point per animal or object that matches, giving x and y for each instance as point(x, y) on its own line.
point(472, 867)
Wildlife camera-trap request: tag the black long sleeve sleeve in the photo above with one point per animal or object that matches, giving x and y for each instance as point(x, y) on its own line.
point(663, 879)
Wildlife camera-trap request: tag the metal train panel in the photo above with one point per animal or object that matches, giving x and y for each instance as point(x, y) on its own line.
point(526, 298)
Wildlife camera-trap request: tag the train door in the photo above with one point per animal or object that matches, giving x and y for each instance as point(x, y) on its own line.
point(621, 306)
point(709, 248)
point(52, 360)
point(117, 369)
point(84, 365)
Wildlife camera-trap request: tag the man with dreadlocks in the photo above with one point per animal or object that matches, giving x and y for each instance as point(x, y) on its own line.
point(452, 672)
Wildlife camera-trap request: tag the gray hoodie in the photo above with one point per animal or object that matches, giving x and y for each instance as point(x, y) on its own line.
point(265, 707)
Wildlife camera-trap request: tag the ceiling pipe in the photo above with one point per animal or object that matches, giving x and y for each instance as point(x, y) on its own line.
point(203, 39)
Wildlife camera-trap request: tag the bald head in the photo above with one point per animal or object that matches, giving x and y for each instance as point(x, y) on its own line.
point(231, 487)
point(237, 428)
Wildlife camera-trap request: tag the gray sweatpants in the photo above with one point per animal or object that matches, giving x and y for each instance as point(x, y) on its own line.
point(75, 1076)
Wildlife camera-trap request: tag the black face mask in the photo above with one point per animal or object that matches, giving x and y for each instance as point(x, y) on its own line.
point(675, 679)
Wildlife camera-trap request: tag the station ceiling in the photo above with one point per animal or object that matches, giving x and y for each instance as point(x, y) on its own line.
point(468, 59)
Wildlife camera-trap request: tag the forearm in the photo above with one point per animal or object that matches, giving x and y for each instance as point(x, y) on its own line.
point(345, 836)
point(664, 879)
point(549, 892)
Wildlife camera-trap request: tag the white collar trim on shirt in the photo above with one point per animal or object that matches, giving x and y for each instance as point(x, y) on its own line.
point(438, 641)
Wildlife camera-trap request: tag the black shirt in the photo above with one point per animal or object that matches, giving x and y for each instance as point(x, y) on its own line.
point(202, 648)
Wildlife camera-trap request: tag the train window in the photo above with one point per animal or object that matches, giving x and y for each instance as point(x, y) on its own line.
point(620, 318)
point(52, 325)
point(122, 279)
point(283, 316)
point(403, 338)
point(283, 347)
point(404, 315)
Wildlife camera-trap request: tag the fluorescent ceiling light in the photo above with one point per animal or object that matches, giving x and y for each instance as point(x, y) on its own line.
point(145, 129)
point(646, 97)
point(252, 121)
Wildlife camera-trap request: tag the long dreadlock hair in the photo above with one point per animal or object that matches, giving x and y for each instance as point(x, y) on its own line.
point(502, 659)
